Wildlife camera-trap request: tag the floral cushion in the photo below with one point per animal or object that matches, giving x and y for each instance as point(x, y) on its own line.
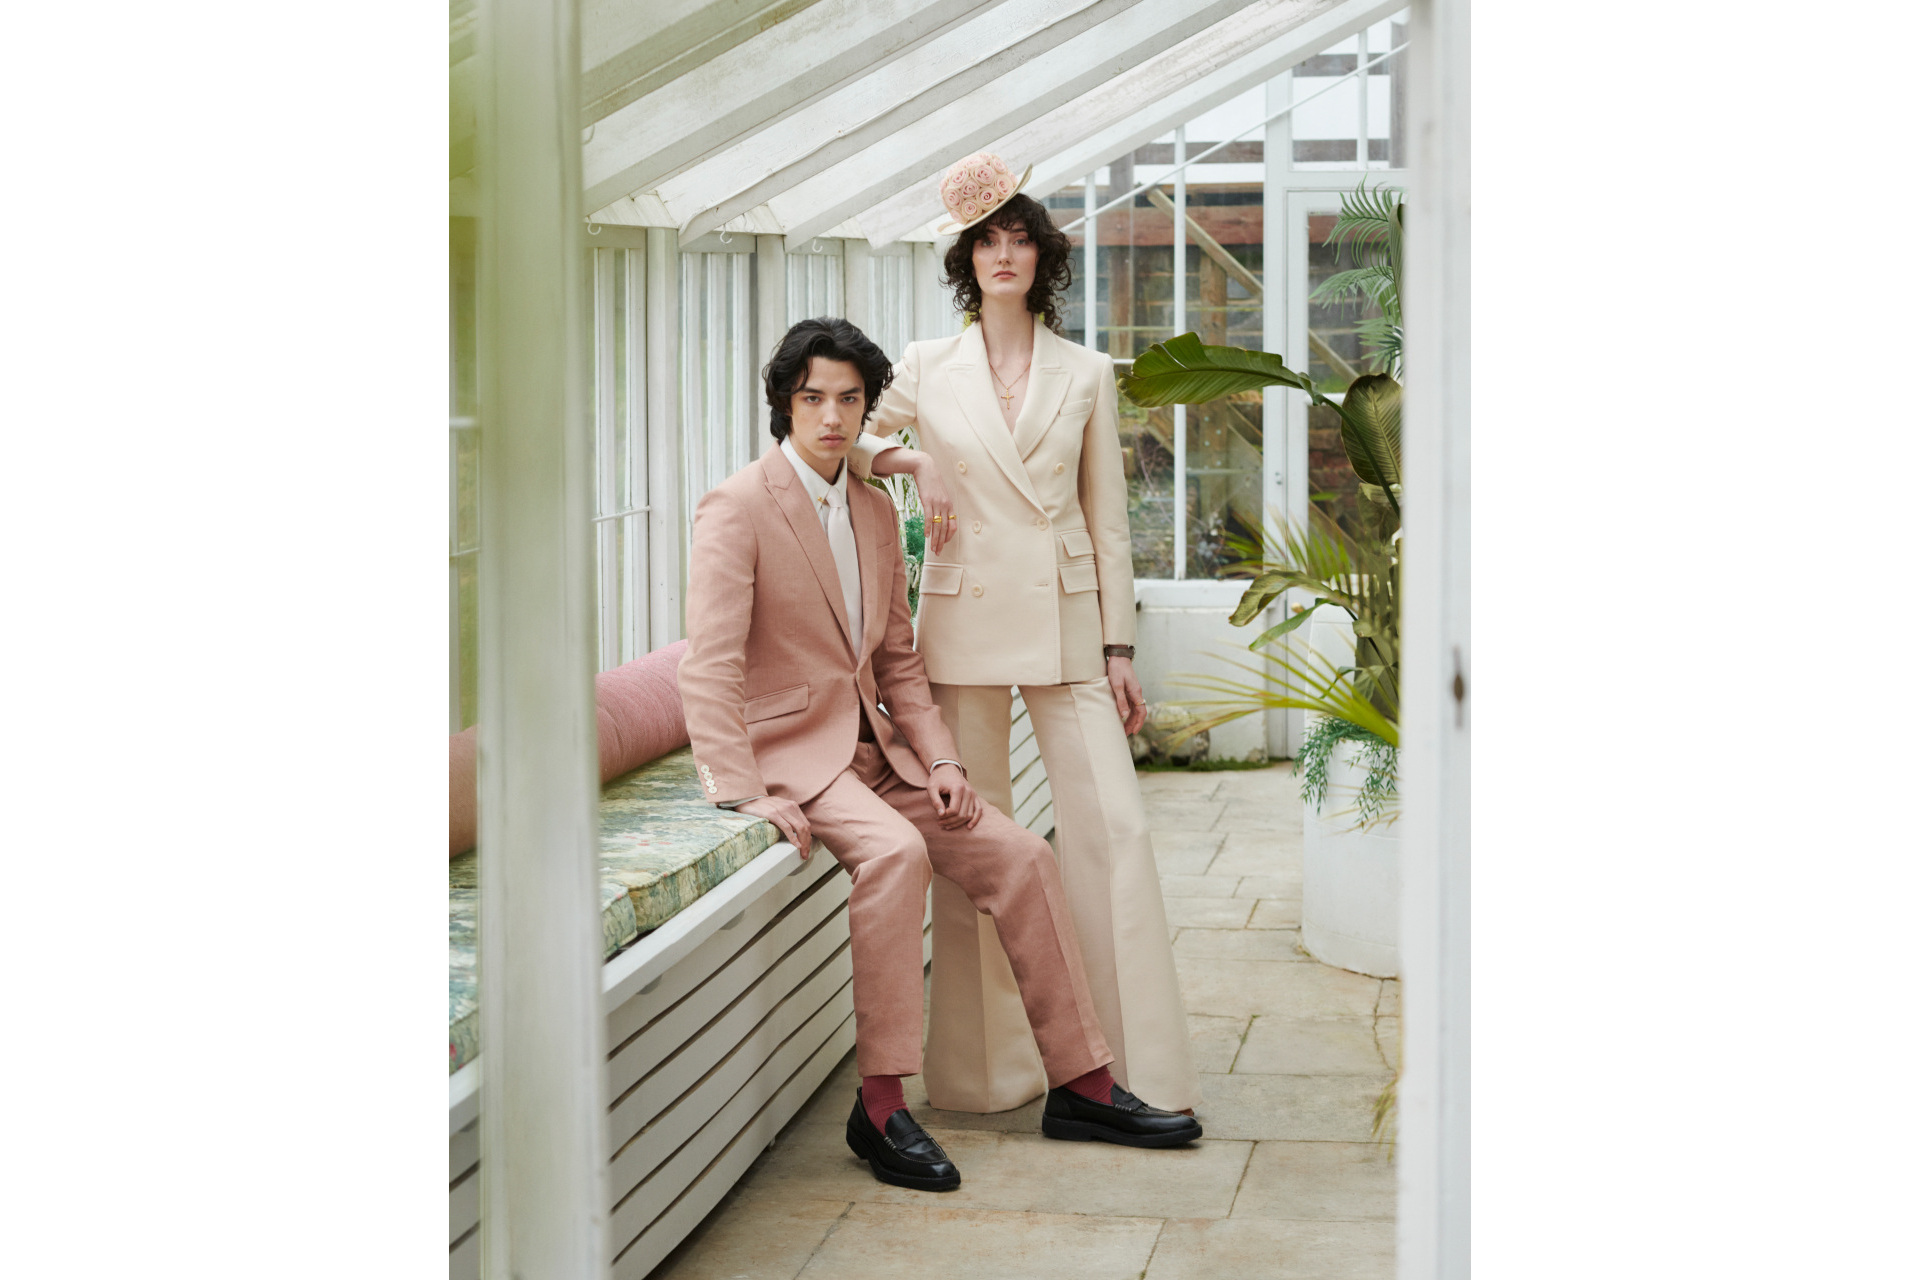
point(661, 847)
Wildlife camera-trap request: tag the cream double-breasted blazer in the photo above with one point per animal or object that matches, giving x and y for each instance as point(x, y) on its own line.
point(1040, 574)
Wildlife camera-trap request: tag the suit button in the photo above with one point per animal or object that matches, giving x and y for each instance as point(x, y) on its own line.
point(979, 590)
point(1059, 467)
point(976, 526)
point(1039, 522)
point(961, 467)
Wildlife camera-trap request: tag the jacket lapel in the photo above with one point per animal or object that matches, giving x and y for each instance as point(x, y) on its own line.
point(869, 535)
point(972, 385)
point(797, 507)
point(1046, 391)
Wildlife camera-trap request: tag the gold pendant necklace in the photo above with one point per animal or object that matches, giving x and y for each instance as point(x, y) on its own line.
point(1008, 397)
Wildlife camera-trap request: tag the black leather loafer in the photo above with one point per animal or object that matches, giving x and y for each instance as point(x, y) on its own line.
point(1129, 1121)
point(904, 1155)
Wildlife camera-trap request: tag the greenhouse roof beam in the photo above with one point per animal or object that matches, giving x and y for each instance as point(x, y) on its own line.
point(1070, 140)
point(918, 153)
point(864, 113)
point(1075, 161)
point(755, 82)
point(628, 49)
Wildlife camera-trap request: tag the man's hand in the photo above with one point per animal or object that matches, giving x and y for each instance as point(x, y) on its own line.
point(786, 815)
point(954, 799)
point(1128, 700)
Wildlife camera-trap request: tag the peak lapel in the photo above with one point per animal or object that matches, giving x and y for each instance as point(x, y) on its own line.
point(797, 507)
point(1046, 391)
point(971, 382)
point(871, 529)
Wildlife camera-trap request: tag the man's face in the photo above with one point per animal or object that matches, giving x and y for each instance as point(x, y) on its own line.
point(827, 409)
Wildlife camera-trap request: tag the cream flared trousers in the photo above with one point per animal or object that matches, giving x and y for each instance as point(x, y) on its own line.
point(980, 1052)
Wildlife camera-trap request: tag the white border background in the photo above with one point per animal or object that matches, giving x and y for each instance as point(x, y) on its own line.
point(224, 390)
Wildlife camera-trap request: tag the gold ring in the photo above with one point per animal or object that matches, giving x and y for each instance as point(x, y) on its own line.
point(938, 519)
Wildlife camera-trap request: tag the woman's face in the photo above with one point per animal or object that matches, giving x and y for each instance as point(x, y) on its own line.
point(1004, 262)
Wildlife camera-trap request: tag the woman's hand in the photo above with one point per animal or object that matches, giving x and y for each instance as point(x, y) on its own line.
point(935, 501)
point(1128, 700)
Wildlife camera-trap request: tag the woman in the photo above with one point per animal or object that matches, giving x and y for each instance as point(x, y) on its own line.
point(1028, 581)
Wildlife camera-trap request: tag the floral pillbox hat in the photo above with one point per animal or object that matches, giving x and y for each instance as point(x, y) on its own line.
point(975, 187)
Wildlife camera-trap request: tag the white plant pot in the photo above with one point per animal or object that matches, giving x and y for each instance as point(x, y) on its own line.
point(1350, 879)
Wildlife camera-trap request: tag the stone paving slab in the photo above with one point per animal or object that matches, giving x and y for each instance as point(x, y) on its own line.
point(1276, 913)
point(771, 1242)
point(1319, 1181)
point(1208, 913)
point(1311, 1047)
point(1216, 1041)
point(1198, 886)
point(1241, 944)
point(1387, 1032)
point(1289, 1108)
point(1182, 815)
point(1271, 1249)
point(1235, 988)
point(1176, 785)
point(1185, 852)
point(1284, 887)
point(892, 1241)
point(1254, 815)
point(1257, 853)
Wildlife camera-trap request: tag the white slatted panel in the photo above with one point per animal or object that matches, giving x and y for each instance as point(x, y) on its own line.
point(1032, 798)
point(733, 1158)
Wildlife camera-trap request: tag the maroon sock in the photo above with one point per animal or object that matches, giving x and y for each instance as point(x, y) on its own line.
point(882, 1096)
point(1095, 1086)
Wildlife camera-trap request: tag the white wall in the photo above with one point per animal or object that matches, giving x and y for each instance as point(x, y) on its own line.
point(1183, 631)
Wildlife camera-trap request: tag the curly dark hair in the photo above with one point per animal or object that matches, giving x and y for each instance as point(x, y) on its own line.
point(826, 338)
point(1051, 275)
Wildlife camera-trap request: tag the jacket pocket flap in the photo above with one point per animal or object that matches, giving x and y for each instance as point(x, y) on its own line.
point(940, 579)
point(1076, 408)
point(1076, 542)
point(1079, 577)
point(785, 702)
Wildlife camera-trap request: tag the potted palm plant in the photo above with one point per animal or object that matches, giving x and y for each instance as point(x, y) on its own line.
point(1336, 653)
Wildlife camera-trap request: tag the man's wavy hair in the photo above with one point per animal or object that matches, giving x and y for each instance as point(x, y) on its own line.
point(826, 338)
point(1051, 275)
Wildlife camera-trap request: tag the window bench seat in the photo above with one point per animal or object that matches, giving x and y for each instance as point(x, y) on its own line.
point(662, 846)
point(728, 996)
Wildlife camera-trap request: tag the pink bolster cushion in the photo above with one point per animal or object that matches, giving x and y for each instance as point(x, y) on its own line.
point(638, 707)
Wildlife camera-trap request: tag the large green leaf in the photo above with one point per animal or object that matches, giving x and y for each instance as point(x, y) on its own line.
point(1184, 370)
point(1370, 430)
point(1280, 629)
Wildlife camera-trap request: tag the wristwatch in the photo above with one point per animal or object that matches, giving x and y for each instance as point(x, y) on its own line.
point(1119, 651)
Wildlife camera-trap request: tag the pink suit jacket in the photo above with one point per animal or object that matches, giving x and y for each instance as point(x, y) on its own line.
point(772, 683)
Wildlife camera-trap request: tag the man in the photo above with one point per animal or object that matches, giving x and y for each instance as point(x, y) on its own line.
point(797, 635)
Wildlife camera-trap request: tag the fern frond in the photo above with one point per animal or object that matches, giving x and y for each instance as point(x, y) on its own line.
point(1372, 280)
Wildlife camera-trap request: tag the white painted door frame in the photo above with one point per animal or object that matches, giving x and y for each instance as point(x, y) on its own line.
point(541, 1133)
point(1436, 658)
